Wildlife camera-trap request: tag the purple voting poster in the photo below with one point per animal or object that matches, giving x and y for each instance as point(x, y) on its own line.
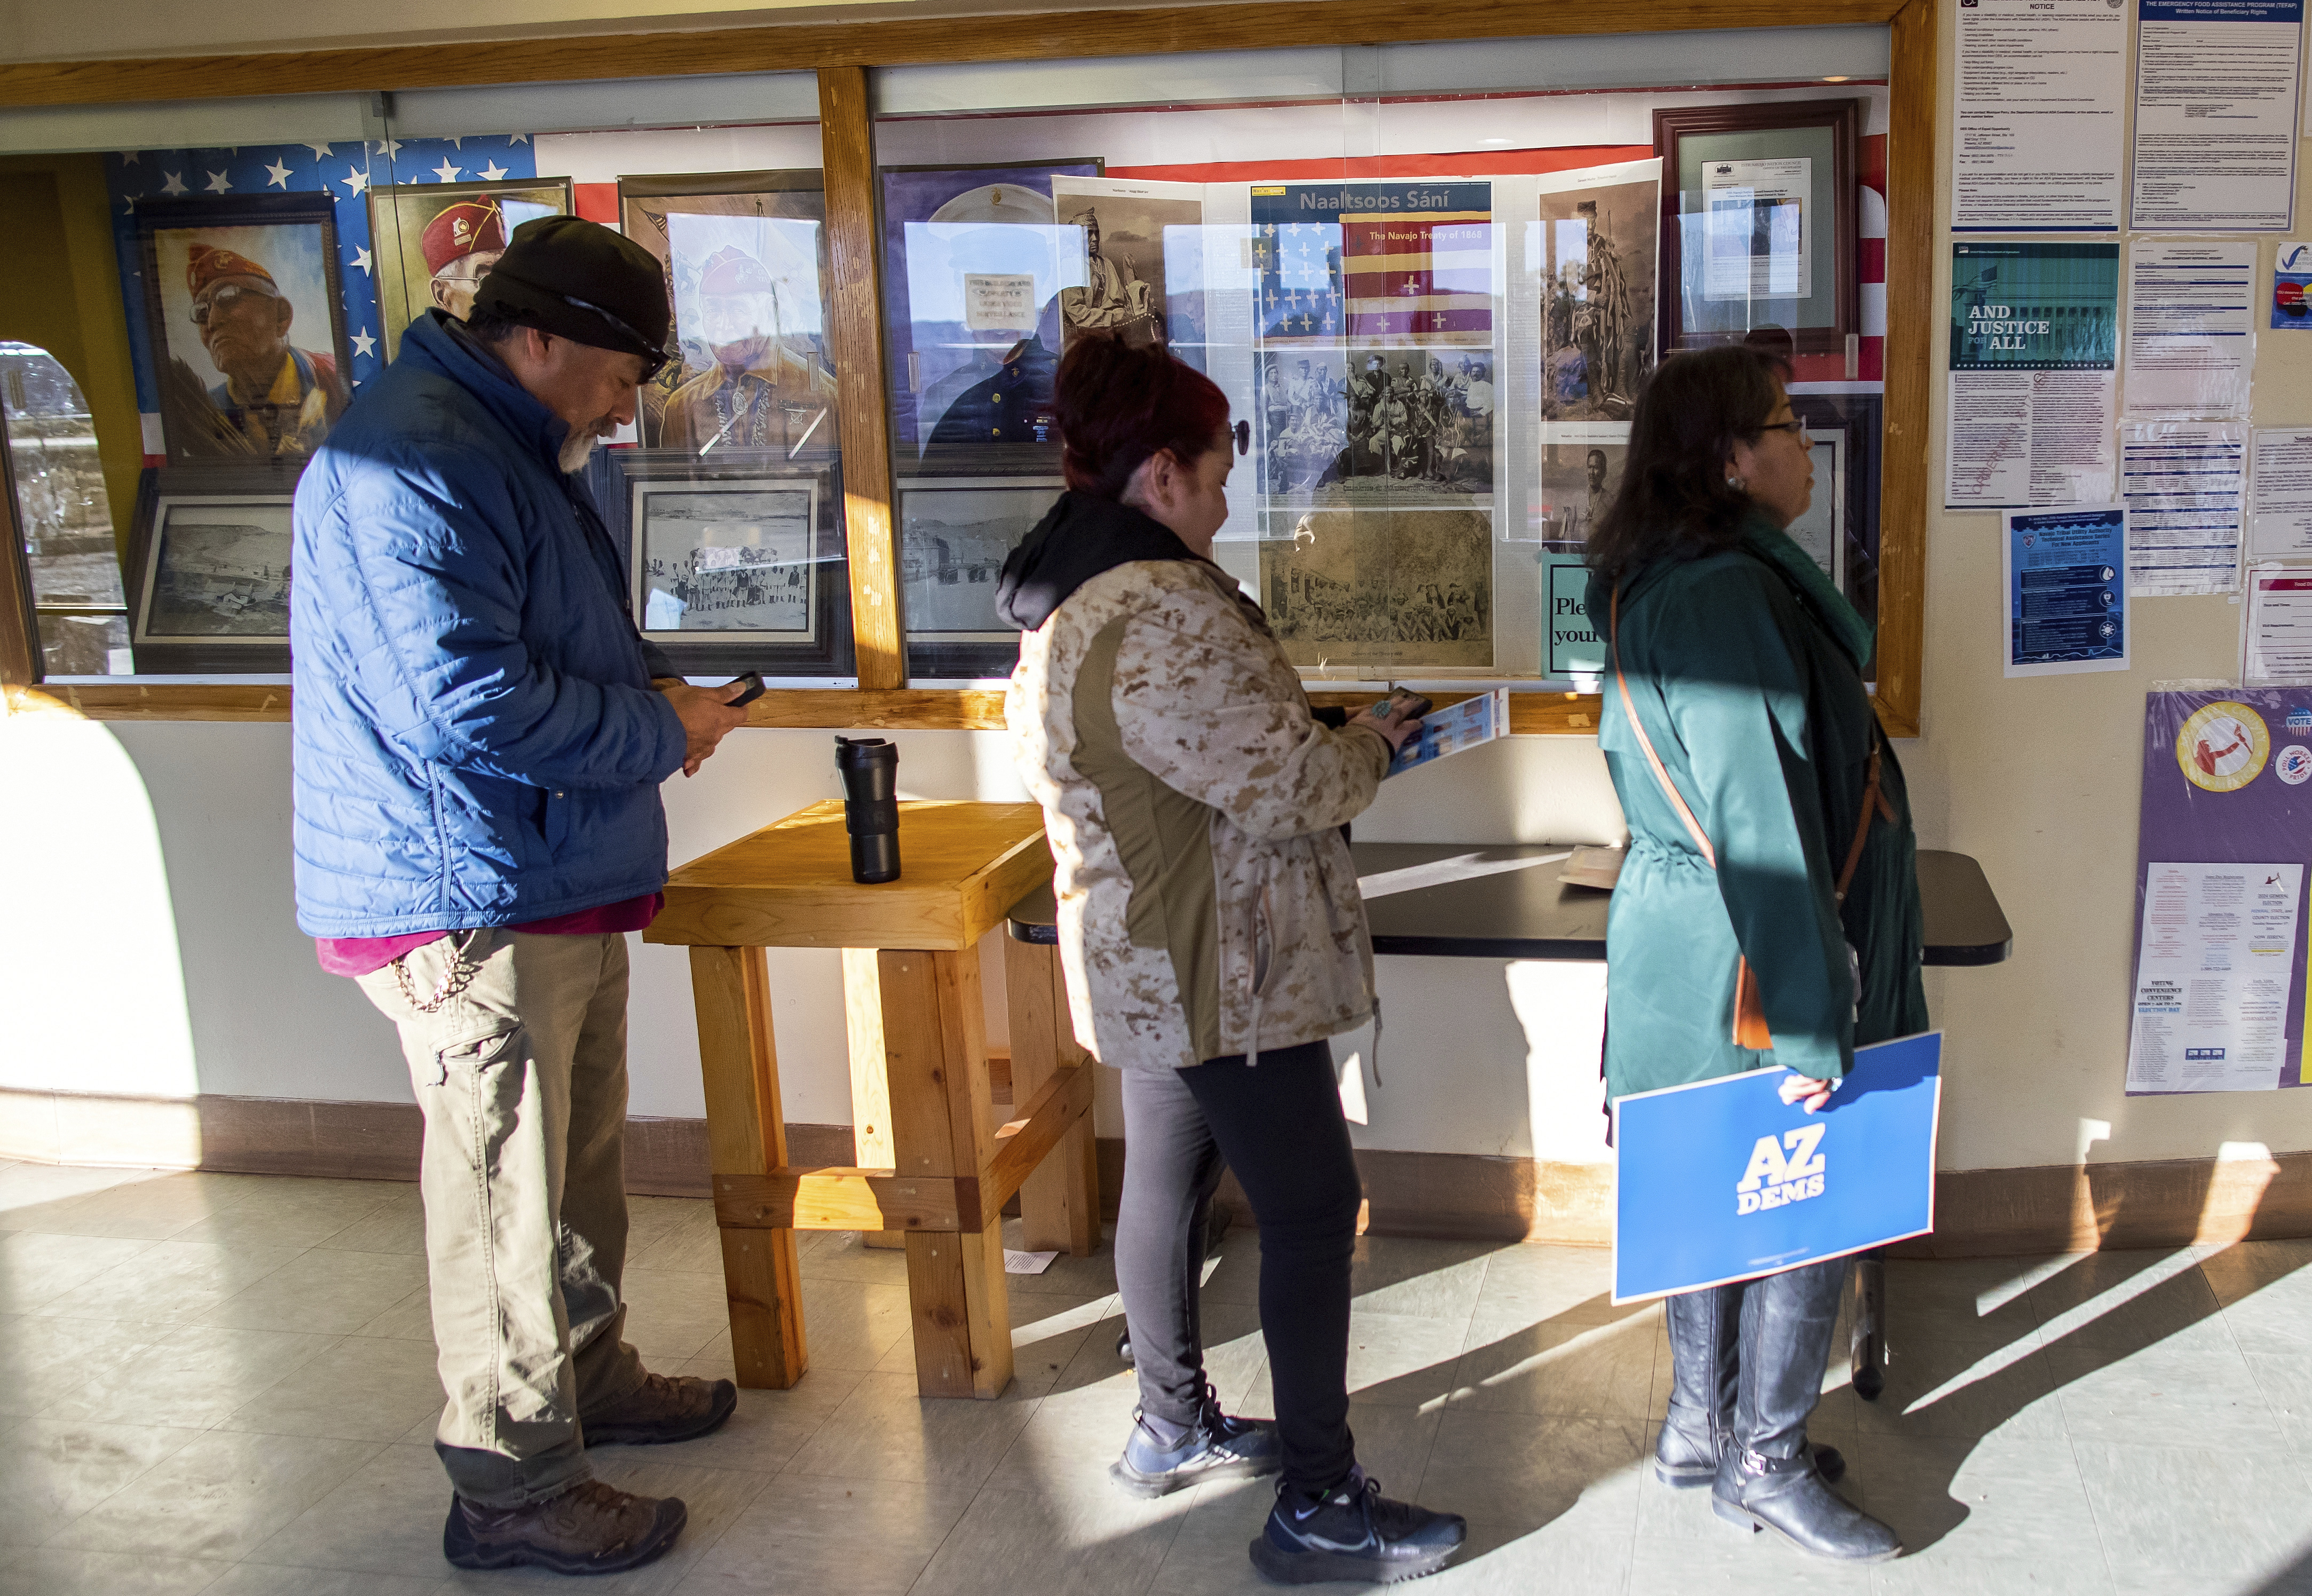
point(2220, 859)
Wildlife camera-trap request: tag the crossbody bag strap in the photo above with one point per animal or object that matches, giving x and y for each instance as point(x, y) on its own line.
point(1669, 787)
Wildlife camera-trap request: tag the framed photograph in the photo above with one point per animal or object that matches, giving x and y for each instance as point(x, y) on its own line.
point(211, 569)
point(1758, 222)
point(1390, 591)
point(745, 254)
point(1846, 487)
point(971, 301)
point(737, 565)
point(242, 304)
point(1367, 424)
point(1595, 250)
point(955, 533)
point(1132, 264)
point(434, 243)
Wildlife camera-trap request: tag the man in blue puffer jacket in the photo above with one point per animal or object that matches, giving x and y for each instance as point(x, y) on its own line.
point(480, 737)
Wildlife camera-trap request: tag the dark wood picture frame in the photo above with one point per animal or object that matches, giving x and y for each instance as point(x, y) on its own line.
point(1026, 374)
point(647, 229)
point(826, 650)
point(951, 656)
point(159, 491)
point(1842, 118)
point(155, 216)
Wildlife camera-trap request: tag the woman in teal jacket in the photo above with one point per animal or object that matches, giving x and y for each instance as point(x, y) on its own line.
point(1743, 666)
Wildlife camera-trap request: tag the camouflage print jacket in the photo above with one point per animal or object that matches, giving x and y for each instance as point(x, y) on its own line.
point(1207, 901)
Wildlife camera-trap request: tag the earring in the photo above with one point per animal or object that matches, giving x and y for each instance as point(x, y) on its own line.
point(1735, 483)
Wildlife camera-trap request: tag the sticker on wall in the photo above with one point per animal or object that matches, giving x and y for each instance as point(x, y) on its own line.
point(2222, 746)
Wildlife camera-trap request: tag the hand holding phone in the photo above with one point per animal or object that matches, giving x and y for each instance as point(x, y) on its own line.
point(753, 681)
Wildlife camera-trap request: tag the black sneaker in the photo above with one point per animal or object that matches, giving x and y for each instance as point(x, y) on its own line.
point(1354, 1532)
point(1216, 1447)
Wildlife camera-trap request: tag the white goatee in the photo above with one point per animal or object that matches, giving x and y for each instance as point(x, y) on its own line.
point(578, 448)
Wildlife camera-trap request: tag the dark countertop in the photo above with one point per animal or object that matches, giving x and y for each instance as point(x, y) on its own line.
point(1475, 901)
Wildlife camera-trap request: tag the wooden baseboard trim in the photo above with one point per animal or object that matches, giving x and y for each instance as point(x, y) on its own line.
point(1978, 1213)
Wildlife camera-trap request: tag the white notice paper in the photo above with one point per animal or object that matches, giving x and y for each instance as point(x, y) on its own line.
point(1756, 233)
point(2215, 115)
point(2185, 483)
point(2191, 329)
point(2276, 629)
point(2041, 94)
point(999, 301)
point(2211, 978)
point(2283, 494)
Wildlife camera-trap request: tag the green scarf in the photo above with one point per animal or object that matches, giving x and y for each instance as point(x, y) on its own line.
point(1770, 544)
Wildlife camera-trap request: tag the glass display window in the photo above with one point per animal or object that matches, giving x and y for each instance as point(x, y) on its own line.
point(1431, 279)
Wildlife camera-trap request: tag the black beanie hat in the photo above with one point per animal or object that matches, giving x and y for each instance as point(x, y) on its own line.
point(580, 281)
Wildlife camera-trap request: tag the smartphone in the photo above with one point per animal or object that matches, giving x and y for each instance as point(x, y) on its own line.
point(754, 683)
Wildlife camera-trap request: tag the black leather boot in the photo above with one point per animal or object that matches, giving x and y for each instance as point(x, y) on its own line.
point(1703, 1326)
point(1767, 1479)
point(1703, 1330)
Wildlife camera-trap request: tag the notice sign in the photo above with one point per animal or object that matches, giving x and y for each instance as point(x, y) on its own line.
point(2212, 977)
point(1572, 647)
point(999, 301)
point(1722, 1180)
point(1755, 238)
point(2042, 97)
point(2215, 115)
point(2224, 835)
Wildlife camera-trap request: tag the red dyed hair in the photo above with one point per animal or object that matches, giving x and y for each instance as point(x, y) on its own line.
point(1119, 406)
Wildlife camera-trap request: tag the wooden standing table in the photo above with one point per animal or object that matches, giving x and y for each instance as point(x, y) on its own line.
point(934, 1165)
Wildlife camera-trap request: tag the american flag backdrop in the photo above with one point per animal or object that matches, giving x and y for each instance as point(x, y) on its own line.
point(1400, 260)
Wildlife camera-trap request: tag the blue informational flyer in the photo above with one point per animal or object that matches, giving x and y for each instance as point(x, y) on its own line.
point(1455, 727)
point(1722, 1180)
point(2066, 589)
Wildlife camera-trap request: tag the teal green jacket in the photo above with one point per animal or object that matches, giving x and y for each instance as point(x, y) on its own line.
point(1744, 667)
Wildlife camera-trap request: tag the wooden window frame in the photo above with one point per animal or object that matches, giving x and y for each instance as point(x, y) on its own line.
point(842, 54)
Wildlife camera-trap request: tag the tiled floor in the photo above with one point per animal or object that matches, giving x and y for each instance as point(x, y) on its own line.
point(224, 1383)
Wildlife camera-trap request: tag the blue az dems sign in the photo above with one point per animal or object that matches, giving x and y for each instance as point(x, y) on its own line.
point(1722, 1180)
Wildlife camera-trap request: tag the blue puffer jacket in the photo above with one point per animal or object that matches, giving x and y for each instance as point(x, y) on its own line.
point(477, 742)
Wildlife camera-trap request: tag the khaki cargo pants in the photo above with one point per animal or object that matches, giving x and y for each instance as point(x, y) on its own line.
point(517, 1046)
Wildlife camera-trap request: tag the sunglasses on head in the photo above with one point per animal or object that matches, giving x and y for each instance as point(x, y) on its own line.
point(1242, 433)
point(652, 362)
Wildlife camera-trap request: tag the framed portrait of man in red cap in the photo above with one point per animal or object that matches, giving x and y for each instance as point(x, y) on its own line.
point(745, 265)
point(435, 243)
point(245, 312)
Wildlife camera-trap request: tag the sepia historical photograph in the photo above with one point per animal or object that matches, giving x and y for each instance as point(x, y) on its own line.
point(220, 570)
point(1391, 590)
point(1580, 475)
point(1356, 425)
point(1139, 276)
point(725, 557)
point(1599, 233)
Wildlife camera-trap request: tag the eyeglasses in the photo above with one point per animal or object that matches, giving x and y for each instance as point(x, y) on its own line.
point(224, 298)
point(1242, 433)
point(1799, 428)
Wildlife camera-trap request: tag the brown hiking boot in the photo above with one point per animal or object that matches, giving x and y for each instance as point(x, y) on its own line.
point(661, 1408)
point(589, 1529)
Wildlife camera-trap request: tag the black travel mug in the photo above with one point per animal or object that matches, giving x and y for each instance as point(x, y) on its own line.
point(870, 805)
